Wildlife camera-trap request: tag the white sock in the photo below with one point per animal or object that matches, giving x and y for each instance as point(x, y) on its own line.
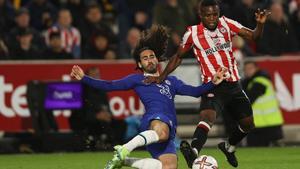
point(144, 138)
point(230, 148)
point(195, 151)
point(145, 163)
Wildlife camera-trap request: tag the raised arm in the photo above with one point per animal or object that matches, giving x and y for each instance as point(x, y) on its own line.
point(176, 59)
point(261, 17)
point(122, 84)
point(173, 63)
point(188, 90)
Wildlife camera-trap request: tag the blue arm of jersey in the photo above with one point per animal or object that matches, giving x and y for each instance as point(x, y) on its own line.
point(122, 84)
point(195, 91)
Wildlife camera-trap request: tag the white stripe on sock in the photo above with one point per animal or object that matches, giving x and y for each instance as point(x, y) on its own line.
point(205, 124)
point(145, 163)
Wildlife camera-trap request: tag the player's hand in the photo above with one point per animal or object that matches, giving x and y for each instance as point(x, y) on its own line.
point(153, 79)
point(77, 72)
point(261, 15)
point(220, 75)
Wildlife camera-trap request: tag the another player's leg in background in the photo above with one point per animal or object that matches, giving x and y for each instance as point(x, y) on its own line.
point(168, 161)
point(240, 132)
point(142, 163)
point(190, 153)
point(240, 108)
point(158, 132)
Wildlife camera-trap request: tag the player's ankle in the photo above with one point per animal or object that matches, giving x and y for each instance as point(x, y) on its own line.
point(195, 151)
point(230, 148)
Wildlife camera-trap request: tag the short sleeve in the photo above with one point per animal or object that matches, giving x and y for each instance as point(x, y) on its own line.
point(187, 41)
point(234, 26)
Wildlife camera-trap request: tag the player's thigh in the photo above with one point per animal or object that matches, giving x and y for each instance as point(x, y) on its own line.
point(241, 110)
point(161, 128)
point(169, 161)
point(211, 105)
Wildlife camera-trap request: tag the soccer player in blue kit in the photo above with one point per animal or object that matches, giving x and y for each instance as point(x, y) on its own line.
point(158, 124)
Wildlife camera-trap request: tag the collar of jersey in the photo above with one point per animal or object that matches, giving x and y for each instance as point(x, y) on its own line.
point(148, 74)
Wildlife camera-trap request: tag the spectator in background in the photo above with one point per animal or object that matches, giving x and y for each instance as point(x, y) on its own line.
point(55, 50)
point(243, 11)
point(278, 37)
point(22, 22)
point(42, 13)
point(266, 112)
point(133, 13)
point(175, 14)
point(126, 47)
point(96, 118)
point(25, 49)
point(71, 38)
point(6, 15)
point(4, 53)
point(294, 10)
point(99, 48)
point(76, 8)
point(93, 24)
point(106, 7)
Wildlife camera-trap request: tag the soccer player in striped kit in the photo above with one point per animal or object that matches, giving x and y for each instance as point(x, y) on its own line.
point(211, 41)
point(158, 124)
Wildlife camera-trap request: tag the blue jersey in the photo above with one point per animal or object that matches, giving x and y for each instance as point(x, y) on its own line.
point(157, 98)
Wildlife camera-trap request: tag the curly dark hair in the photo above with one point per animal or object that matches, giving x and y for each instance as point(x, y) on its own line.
point(156, 39)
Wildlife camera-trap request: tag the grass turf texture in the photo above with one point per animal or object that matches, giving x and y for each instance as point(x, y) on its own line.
point(249, 158)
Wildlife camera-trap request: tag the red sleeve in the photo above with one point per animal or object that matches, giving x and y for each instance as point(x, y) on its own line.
point(187, 40)
point(234, 26)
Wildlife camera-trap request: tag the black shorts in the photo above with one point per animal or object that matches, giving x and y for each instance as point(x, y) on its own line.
point(227, 97)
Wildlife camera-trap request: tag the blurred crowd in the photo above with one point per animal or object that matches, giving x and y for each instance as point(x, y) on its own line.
point(110, 29)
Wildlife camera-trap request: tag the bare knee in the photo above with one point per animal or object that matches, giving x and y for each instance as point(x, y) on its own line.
point(247, 124)
point(169, 165)
point(169, 161)
point(162, 130)
point(208, 116)
point(163, 135)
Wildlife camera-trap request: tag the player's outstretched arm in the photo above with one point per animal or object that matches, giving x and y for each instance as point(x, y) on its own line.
point(261, 17)
point(121, 84)
point(189, 90)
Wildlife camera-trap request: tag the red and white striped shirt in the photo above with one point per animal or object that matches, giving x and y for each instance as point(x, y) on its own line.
point(70, 39)
point(213, 49)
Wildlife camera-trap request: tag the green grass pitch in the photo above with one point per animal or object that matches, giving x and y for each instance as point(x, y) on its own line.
point(249, 158)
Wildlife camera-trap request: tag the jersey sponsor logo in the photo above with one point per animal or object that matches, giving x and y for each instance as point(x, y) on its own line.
point(217, 48)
